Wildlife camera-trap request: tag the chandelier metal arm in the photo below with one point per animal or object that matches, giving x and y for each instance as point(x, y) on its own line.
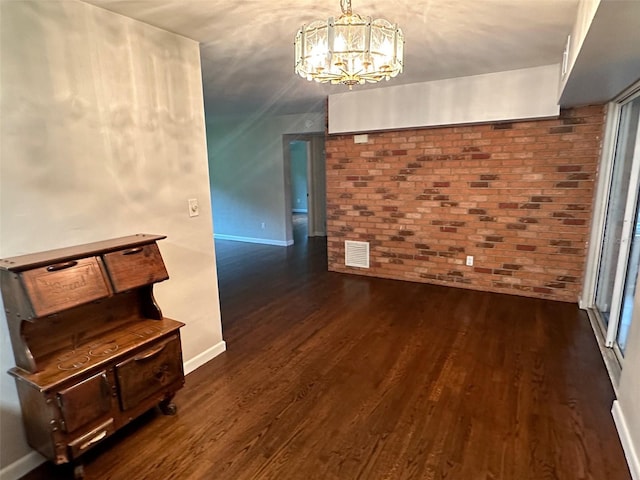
point(346, 7)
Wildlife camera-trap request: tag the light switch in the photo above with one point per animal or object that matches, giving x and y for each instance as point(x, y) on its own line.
point(194, 208)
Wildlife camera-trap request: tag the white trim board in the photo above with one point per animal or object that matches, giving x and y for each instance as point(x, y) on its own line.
point(264, 241)
point(33, 459)
point(490, 97)
point(22, 466)
point(633, 460)
point(202, 358)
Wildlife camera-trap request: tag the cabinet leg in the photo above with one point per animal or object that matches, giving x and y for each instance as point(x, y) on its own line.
point(78, 472)
point(167, 407)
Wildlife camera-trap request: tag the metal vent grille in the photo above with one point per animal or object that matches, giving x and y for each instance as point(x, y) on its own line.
point(356, 254)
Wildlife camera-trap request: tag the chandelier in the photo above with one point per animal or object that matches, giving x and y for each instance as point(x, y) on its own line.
point(349, 49)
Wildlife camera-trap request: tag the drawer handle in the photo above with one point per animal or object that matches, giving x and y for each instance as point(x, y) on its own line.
point(95, 439)
point(149, 353)
point(61, 266)
point(132, 251)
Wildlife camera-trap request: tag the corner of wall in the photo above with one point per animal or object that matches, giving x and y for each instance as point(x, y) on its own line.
point(630, 450)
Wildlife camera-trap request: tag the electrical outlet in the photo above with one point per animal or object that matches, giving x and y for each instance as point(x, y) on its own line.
point(194, 208)
point(262, 225)
point(469, 260)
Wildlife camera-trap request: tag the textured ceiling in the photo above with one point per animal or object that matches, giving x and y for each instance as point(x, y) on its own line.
point(247, 46)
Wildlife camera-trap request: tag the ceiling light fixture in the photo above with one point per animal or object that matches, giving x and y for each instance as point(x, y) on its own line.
point(350, 49)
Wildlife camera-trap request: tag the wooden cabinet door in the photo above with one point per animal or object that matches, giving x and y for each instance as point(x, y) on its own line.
point(149, 372)
point(85, 401)
point(134, 267)
point(64, 285)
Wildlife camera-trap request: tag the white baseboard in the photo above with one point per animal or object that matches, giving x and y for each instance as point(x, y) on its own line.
point(633, 460)
point(204, 357)
point(33, 459)
point(264, 241)
point(299, 210)
point(22, 466)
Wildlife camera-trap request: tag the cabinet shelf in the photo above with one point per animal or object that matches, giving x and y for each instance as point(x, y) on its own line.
point(68, 364)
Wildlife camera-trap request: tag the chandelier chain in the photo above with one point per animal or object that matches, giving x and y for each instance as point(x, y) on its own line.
point(346, 7)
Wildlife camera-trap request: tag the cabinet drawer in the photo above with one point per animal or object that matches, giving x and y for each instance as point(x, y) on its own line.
point(149, 372)
point(91, 438)
point(85, 401)
point(134, 267)
point(64, 285)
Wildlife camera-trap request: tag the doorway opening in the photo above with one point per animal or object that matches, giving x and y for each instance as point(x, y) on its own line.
point(300, 158)
point(616, 282)
point(305, 184)
point(615, 256)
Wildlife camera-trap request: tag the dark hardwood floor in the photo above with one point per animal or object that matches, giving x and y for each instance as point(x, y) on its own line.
point(331, 376)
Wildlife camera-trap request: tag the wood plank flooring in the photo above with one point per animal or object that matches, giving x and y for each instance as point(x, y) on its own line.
point(332, 376)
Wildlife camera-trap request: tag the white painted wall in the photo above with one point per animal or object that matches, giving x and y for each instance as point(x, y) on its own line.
point(512, 95)
point(102, 136)
point(248, 178)
point(627, 408)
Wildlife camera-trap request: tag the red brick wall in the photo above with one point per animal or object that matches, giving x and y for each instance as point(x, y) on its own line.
point(517, 196)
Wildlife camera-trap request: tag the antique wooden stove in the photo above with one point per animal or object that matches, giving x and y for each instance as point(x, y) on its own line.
point(91, 346)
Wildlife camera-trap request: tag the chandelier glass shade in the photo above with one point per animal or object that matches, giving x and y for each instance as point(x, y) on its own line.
point(350, 49)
